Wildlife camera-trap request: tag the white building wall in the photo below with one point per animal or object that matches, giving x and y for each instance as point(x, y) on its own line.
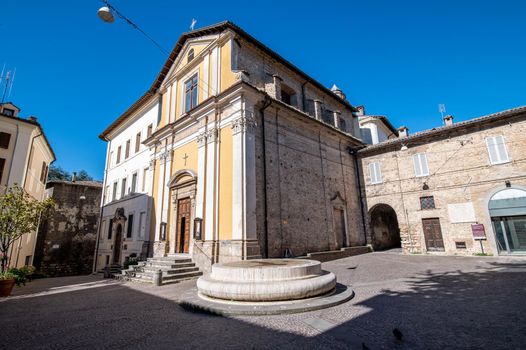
point(132, 203)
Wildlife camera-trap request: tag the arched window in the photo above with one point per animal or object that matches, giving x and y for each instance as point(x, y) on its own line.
point(190, 55)
point(508, 215)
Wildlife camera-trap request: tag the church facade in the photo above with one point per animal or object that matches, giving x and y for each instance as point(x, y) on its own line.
point(250, 157)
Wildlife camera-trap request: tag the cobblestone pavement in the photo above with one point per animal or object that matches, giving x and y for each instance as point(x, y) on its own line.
point(437, 302)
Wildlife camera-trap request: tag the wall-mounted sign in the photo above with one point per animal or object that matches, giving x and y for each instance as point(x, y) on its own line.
point(478, 231)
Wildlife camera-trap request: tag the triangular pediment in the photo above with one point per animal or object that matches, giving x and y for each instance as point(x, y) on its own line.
point(200, 45)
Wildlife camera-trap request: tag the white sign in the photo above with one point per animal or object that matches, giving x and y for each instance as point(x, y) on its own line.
point(461, 212)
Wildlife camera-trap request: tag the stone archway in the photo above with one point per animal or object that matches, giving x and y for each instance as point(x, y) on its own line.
point(507, 210)
point(384, 228)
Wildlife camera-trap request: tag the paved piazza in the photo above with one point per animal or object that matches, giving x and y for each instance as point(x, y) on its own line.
point(437, 302)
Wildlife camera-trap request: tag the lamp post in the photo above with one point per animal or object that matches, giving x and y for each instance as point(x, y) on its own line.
point(106, 14)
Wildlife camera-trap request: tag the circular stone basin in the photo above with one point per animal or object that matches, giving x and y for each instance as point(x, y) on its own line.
point(263, 280)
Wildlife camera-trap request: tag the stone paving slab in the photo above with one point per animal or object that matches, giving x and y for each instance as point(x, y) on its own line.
point(437, 302)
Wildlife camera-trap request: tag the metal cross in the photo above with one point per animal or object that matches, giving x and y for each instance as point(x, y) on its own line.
point(185, 158)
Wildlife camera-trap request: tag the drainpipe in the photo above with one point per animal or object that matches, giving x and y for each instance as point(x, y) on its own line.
point(266, 104)
point(352, 152)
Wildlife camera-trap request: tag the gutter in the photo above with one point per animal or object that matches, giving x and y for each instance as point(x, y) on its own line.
point(353, 153)
point(267, 102)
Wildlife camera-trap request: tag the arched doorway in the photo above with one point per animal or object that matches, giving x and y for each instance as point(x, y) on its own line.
point(507, 209)
point(117, 245)
point(384, 227)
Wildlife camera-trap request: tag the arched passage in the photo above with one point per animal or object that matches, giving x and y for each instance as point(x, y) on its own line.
point(384, 227)
point(507, 209)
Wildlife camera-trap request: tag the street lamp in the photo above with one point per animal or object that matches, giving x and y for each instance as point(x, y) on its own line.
point(106, 14)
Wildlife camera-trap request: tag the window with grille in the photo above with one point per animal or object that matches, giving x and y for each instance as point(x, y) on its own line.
point(342, 124)
point(127, 152)
point(427, 203)
point(190, 93)
point(190, 55)
point(420, 164)
point(375, 173)
point(497, 149)
point(118, 154)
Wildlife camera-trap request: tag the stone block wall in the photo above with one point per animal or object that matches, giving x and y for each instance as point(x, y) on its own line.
point(460, 175)
point(67, 236)
point(309, 174)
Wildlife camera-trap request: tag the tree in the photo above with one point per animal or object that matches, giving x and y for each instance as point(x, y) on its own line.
point(57, 173)
point(84, 176)
point(19, 214)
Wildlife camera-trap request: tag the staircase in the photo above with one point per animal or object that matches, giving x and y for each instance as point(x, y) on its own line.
point(111, 270)
point(175, 268)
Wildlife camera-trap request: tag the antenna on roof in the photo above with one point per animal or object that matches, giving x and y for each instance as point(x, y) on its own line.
point(442, 109)
point(194, 22)
point(11, 84)
point(2, 75)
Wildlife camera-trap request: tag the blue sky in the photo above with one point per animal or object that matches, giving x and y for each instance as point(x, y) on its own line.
point(399, 58)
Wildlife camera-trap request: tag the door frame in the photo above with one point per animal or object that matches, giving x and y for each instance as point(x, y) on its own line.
point(441, 234)
point(183, 184)
point(178, 233)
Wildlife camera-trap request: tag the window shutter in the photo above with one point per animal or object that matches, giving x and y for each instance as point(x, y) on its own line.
point(501, 149)
point(375, 173)
point(492, 151)
point(423, 164)
point(497, 149)
point(420, 164)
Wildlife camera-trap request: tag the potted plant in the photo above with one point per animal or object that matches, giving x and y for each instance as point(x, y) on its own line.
point(19, 214)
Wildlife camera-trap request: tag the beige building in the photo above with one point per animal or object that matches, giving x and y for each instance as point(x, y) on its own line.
point(25, 156)
point(440, 190)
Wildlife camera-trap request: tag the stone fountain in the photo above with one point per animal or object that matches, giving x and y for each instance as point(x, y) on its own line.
point(266, 286)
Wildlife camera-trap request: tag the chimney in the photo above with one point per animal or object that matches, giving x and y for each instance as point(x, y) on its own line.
point(360, 111)
point(32, 118)
point(338, 92)
point(403, 131)
point(448, 120)
point(74, 177)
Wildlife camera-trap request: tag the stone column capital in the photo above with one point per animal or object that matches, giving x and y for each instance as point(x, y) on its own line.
point(212, 135)
point(244, 123)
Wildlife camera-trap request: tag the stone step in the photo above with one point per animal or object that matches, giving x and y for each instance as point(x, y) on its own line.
point(171, 259)
point(181, 276)
point(170, 271)
point(168, 266)
point(169, 262)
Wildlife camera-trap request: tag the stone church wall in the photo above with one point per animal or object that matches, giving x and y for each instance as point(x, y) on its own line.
point(309, 173)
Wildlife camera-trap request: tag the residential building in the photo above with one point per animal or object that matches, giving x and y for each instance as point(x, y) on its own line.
point(126, 213)
point(67, 235)
point(456, 189)
point(25, 156)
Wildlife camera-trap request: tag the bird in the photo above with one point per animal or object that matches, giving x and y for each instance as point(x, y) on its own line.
point(397, 334)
